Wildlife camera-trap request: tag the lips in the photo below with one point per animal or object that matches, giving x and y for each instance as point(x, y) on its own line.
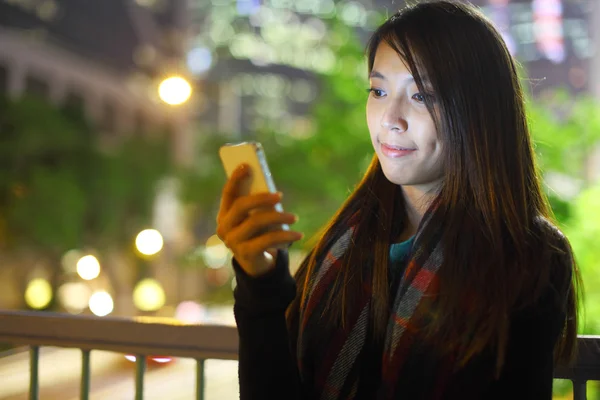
point(395, 151)
point(394, 147)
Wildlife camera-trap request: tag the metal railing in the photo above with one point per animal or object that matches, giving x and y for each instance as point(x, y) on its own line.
point(137, 336)
point(586, 367)
point(147, 336)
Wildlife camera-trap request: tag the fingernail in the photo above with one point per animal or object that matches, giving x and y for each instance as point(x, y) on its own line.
point(242, 167)
point(296, 218)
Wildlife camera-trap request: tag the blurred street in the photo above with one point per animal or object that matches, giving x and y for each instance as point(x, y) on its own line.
point(113, 377)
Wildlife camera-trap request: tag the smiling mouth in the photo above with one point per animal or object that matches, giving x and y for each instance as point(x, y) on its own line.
point(390, 146)
point(393, 151)
point(395, 147)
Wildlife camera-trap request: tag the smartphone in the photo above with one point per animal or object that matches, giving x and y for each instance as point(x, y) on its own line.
point(252, 154)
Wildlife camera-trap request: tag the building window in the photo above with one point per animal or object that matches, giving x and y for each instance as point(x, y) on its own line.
point(37, 87)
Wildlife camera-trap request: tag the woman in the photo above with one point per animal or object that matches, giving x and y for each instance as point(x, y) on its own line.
point(441, 276)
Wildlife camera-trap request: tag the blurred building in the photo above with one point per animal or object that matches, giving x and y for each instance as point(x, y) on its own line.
point(258, 60)
point(552, 38)
point(105, 57)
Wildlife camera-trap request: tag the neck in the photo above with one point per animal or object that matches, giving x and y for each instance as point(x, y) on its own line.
point(417, 199)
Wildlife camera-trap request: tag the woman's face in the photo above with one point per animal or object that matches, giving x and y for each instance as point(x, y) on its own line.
point(401, 128)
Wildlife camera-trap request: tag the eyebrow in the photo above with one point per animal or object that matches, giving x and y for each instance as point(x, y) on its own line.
point(410, 78)
point(376, 74)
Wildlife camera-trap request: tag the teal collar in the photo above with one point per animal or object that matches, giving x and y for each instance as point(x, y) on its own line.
point(400, 250)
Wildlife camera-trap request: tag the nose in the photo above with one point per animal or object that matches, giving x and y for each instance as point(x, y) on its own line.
point(393, 118)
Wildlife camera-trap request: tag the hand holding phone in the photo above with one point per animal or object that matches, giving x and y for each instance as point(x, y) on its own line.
point(251, 220)
point(259, 179)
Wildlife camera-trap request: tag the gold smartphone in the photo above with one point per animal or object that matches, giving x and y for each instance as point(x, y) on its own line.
point(252, 154)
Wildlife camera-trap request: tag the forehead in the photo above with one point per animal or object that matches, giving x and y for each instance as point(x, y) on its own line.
point(388, 60)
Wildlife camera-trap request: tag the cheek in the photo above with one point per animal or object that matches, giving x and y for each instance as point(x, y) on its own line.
point(373, 118)
point(370, 124)
point(433, 145)
point(431, 140)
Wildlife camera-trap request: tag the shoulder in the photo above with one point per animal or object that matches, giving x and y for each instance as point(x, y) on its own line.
point(554, 240)
point(544, 225)
point(555, 250)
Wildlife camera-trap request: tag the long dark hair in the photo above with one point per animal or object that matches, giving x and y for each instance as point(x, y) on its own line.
point(501, 252)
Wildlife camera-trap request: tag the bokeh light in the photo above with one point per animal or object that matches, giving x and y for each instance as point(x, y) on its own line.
point(326, 9)
point(38, 293)
point(149, 242)
point(215, 252)
point(199, 60)
point(190, 312)
point(88, 267)
point(47, 10)
point(217, 276)
point(74, 296)
point(70, 259)
point(353, 13)
point(148, 295)
point(174, 90)
point(101, 303)
point(146, 3)
point(303, 91)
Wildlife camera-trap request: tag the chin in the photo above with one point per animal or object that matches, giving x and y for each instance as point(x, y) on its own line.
point(396, 178)
point(404, 180)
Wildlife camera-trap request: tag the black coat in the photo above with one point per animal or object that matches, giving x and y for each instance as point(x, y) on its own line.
point(268, 370)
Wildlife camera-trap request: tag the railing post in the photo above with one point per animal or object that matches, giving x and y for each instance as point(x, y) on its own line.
point(85, 375)
point(579, 390)
point(140, 361)
point(200, 379)
point(34, 383)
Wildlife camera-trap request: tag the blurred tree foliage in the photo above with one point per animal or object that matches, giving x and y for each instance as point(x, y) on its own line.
point(59, 190)
point(566, 131)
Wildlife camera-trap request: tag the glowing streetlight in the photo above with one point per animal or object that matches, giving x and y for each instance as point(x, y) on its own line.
point(101, 303)
point(88, 267)
point(174, 90)
point(149, 242)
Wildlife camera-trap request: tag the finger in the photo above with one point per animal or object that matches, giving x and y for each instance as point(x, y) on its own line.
point(258, 224)
point(232, 187)
point(271, 239)
point(242, 206)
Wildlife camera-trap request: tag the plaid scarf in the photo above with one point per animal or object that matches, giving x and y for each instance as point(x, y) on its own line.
point(336, 376)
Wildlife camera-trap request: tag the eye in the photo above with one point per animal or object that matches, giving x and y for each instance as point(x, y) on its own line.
point(376, 93)
point(419, 97)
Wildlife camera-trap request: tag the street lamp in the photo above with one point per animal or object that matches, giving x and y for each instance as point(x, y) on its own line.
point(174, 90)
